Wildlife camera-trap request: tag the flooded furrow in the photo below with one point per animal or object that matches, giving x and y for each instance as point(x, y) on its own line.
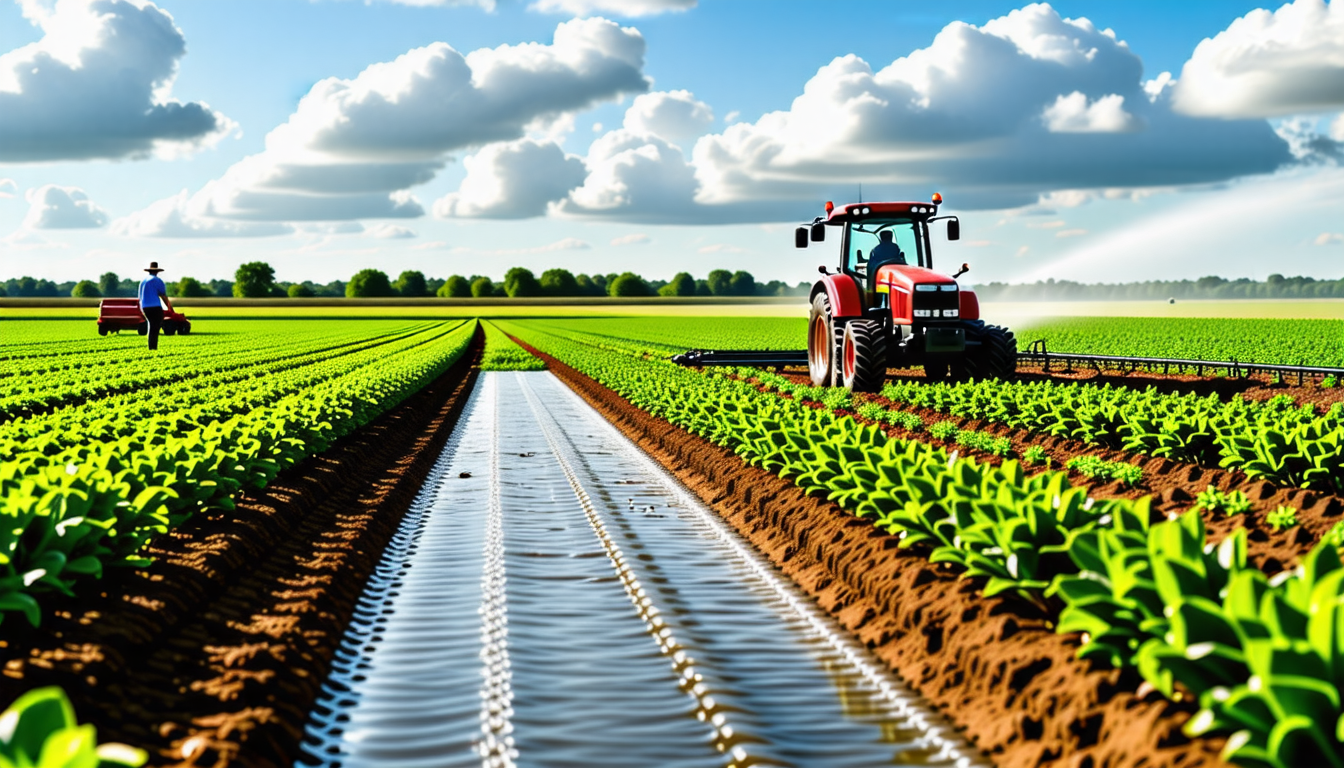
point(555, 598)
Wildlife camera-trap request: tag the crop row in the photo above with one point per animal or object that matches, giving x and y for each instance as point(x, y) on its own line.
point(46, 390)
point(83, 488)
point(503, 354)
point(1277, 341)
point(1263, 657)
point(1276, 440)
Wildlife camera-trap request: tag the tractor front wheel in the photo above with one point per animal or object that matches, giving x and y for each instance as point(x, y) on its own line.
point(863, 356)
point(935, 370)
point(996, 358)
point(823, 343)
point(170, 328)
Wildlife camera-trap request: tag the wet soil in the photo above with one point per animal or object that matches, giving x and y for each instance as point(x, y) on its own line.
point(215, 654)
point(994, 666)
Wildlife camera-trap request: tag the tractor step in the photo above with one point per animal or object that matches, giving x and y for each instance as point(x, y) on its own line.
point(752, 357)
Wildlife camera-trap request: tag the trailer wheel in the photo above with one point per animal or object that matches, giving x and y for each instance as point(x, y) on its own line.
point(997, 356)
point(184, 330)
point(169, 329)
point(102, 330)
point(142, 329)
point(863, 356)
point(824, 336)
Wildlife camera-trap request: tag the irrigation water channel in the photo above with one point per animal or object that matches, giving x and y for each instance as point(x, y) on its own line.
point(555, 598)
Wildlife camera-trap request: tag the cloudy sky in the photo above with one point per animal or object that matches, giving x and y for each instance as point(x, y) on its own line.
point(1081, 140)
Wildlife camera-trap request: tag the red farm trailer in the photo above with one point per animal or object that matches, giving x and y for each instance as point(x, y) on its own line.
point(116, 315)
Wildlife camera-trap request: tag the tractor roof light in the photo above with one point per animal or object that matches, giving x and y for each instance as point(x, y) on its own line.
point(937, 198)
point(830, 206)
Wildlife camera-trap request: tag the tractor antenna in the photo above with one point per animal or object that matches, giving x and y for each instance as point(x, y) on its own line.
point(860, 192)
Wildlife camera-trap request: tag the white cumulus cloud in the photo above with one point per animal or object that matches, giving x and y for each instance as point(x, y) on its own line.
point(965, 115)
point(353, 148)
point(174, 217)
point(97, 85)
point(53, 207)
point(8, 188)
point(626, 8)
point(632, 239)
point(1268, 64)
point(391, 232)
point(1075, 114)
point(672, 115)
point(510, 180)
point(1329, 238)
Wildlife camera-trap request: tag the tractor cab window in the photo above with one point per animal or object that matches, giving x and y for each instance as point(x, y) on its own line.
point(876, 241)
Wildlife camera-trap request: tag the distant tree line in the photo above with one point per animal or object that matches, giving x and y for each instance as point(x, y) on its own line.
point(1276, 286)
point(257, 280)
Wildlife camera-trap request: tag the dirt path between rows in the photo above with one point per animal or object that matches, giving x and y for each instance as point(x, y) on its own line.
point(992, 665)
point(215, 654)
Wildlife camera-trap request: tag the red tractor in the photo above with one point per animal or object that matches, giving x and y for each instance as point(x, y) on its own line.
point(886, 308)
point(116, 315)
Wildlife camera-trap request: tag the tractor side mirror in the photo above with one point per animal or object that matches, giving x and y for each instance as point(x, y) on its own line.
point(953, 229)
point(818, 233)
point(800, 237)
point(822, 269)
point(964, 269)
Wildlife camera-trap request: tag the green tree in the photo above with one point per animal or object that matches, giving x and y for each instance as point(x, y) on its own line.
point(254, 280)
point(455, 287)
point(720, 282)
point(411, 283)
point(189, 287)
point(86, 289)
point(300, 291)
point(520, 282)
point(482, 287)
point(743, 284)
point(628, 284)
point(682, 285)
point(369, 283)
point(109, 284)
point(591, 285)
point(559, 282)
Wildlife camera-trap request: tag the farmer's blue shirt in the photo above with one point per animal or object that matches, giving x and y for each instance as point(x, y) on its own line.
point(150, 288)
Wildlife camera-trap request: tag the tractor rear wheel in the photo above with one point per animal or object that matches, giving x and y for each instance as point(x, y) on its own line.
point(102, 330)
point(184, 330)
point(824, 335)
point(996, 357)
point(863, 356)
point(170, 328)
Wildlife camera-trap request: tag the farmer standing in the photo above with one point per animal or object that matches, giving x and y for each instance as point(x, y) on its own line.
point(152, 290)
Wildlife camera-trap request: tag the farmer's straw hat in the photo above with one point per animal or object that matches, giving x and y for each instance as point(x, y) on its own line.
point(154, 267)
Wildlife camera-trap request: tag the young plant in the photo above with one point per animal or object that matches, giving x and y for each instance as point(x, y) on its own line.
point(905, 420)
point(1230, 503)
point(1094, 467)
point(1329, 382)
point(944, 430)
point(39, 730)
point(1283, 517)
point(1035, 455)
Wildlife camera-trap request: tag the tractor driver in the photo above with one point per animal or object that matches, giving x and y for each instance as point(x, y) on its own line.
point(885, 252)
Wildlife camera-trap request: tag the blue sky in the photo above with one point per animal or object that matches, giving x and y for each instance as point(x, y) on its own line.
point(472, 137)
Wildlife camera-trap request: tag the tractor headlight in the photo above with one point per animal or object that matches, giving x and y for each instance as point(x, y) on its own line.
point(951, 313)
point(926, 287)
point(923, 313)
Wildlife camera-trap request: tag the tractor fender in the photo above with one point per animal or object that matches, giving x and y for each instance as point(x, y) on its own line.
point(970, 305)
point(844, 294)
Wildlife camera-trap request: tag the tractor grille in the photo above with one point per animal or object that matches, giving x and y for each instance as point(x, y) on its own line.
point(939, 304)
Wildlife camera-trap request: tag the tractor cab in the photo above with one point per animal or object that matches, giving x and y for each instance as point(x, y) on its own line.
point(887, 296)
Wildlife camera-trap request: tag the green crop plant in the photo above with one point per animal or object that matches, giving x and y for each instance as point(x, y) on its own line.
point(1035, 456)
point(905, 420)
point(871, 411)
point(1282, 517)
point(502, 354)
point(85, 485)
point(1329, 382)
point(1336, 534)
point(944, 430)
point(985, 443)
point(39, 730)
point(1230, 503)
point(1094, 467)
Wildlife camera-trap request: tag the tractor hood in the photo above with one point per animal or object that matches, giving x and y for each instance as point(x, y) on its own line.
point(905, 278)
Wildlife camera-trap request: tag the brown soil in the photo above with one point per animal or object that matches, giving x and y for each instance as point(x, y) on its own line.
point(992, 665)
point(1174, 486)
point(215, 654)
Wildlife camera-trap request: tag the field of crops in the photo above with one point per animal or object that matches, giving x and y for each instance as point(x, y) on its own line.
point(1183, 535)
